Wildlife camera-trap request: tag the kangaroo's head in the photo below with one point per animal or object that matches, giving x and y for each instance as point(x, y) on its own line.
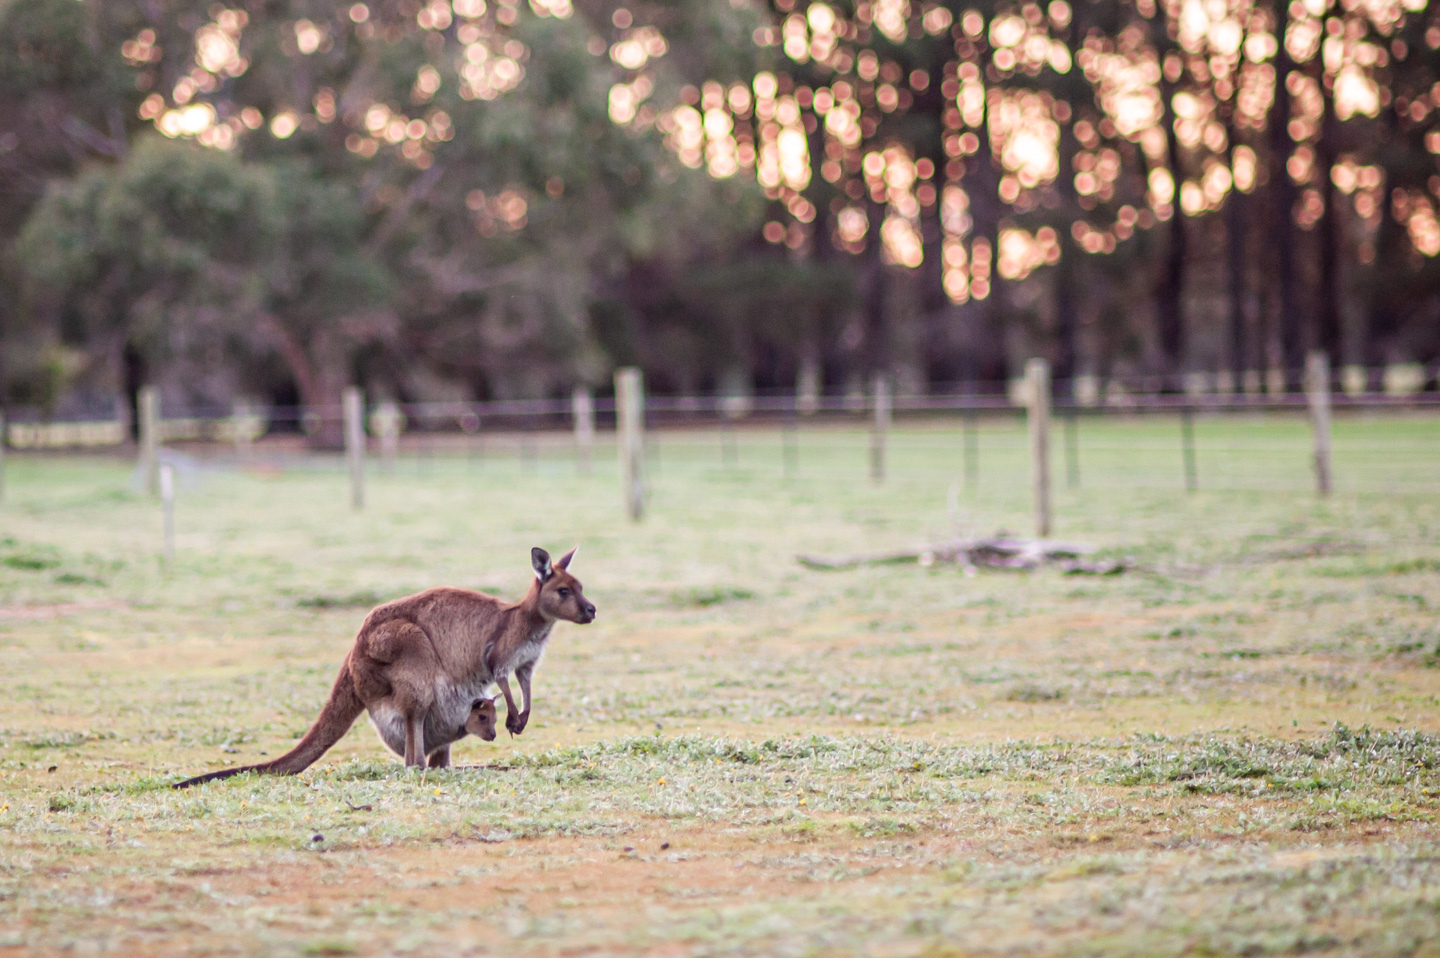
point(560, 593)
point(482, 719)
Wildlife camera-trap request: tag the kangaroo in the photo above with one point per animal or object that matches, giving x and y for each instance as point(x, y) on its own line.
point(421, 664)
point(482, 719)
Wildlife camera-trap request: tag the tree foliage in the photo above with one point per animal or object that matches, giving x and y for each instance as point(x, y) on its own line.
point(455, 198)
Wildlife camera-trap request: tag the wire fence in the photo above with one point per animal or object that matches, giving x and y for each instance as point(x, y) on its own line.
point(660, 411)
point(1382, 442)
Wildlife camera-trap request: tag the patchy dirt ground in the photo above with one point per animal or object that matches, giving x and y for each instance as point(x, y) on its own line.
point(1233, 750)
point(712, 891)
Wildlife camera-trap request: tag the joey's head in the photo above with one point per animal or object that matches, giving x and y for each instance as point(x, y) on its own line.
point(482, 719)
point(560, 593)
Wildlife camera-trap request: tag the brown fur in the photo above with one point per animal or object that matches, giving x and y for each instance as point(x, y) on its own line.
point(482, 719)
point(420, 664)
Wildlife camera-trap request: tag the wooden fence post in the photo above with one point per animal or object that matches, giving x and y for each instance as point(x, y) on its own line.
point(424, 450)
point(880, 428)
point(728, 453)
point(385, 423)
point(528, 452)
point(1317, 391)
point(241, 420)
point(790, 439)
point(470, 424)
point(582, 410)
point(630, 428)
point(167, 510)
point(149, 403)
point(1187, 442)
point(972, 450)
point(807, 386)
point(1072, 449)
point(354, 410)
point(1037, 382)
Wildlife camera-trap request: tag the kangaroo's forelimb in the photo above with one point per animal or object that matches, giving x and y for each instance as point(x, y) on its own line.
point(517, 719)
point(503, 682)
point(522, 675)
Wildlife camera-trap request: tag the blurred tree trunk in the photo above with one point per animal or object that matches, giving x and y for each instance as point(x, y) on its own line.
point(1235, 261)
point(1170, 296)
point(134, 375)
point(938, 314)
point(1067, 289)
point(810, 354)
point(935, 307)
point(877, 290)
point(1332, 233)
point(809, 367)
point(321, 375)
point(1390, 253)
point(1282, 212)
point(983, 187)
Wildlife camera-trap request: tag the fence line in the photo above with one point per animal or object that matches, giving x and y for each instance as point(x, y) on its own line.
point(24, 431)
point(523, 429)
point(1229, 456)
point(1277, 458)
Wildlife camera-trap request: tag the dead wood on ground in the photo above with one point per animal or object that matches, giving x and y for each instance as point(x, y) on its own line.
point(992, 552)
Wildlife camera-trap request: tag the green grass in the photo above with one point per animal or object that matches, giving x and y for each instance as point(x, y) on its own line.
point(1232, 749)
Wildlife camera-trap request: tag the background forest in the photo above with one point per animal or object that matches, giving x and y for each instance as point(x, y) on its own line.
point(475, 199)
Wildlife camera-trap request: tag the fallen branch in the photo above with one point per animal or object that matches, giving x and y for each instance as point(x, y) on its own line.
point(994, 552)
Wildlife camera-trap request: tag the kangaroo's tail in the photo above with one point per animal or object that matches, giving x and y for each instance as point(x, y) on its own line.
point(340, 712)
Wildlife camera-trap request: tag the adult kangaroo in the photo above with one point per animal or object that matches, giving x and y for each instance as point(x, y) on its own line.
point(420, 664)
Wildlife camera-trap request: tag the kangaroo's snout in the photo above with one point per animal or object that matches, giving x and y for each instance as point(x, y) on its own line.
point(587, 613)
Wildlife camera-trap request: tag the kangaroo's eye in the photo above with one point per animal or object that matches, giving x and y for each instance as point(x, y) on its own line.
point(564, 593)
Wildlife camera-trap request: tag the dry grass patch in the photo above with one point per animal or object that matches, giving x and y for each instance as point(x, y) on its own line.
point(1234, 751)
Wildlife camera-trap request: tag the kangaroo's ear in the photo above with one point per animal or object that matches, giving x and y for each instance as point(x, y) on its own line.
point(540, 561)
point(563, 563)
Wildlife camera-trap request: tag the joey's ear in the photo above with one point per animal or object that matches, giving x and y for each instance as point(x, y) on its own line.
point(540, 560)
point(563, 563)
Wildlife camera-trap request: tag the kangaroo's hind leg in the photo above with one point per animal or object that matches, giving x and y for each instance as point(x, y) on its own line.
point(400, 657)
point(415, 741)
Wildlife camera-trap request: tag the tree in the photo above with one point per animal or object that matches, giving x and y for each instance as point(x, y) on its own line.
point(139, 259)
point(502, 199)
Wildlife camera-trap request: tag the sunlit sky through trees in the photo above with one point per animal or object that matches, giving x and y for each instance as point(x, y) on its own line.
point(1221, 62)
point(930, 156)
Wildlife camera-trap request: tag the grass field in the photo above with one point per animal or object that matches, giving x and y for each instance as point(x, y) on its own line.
point(1232, 749)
